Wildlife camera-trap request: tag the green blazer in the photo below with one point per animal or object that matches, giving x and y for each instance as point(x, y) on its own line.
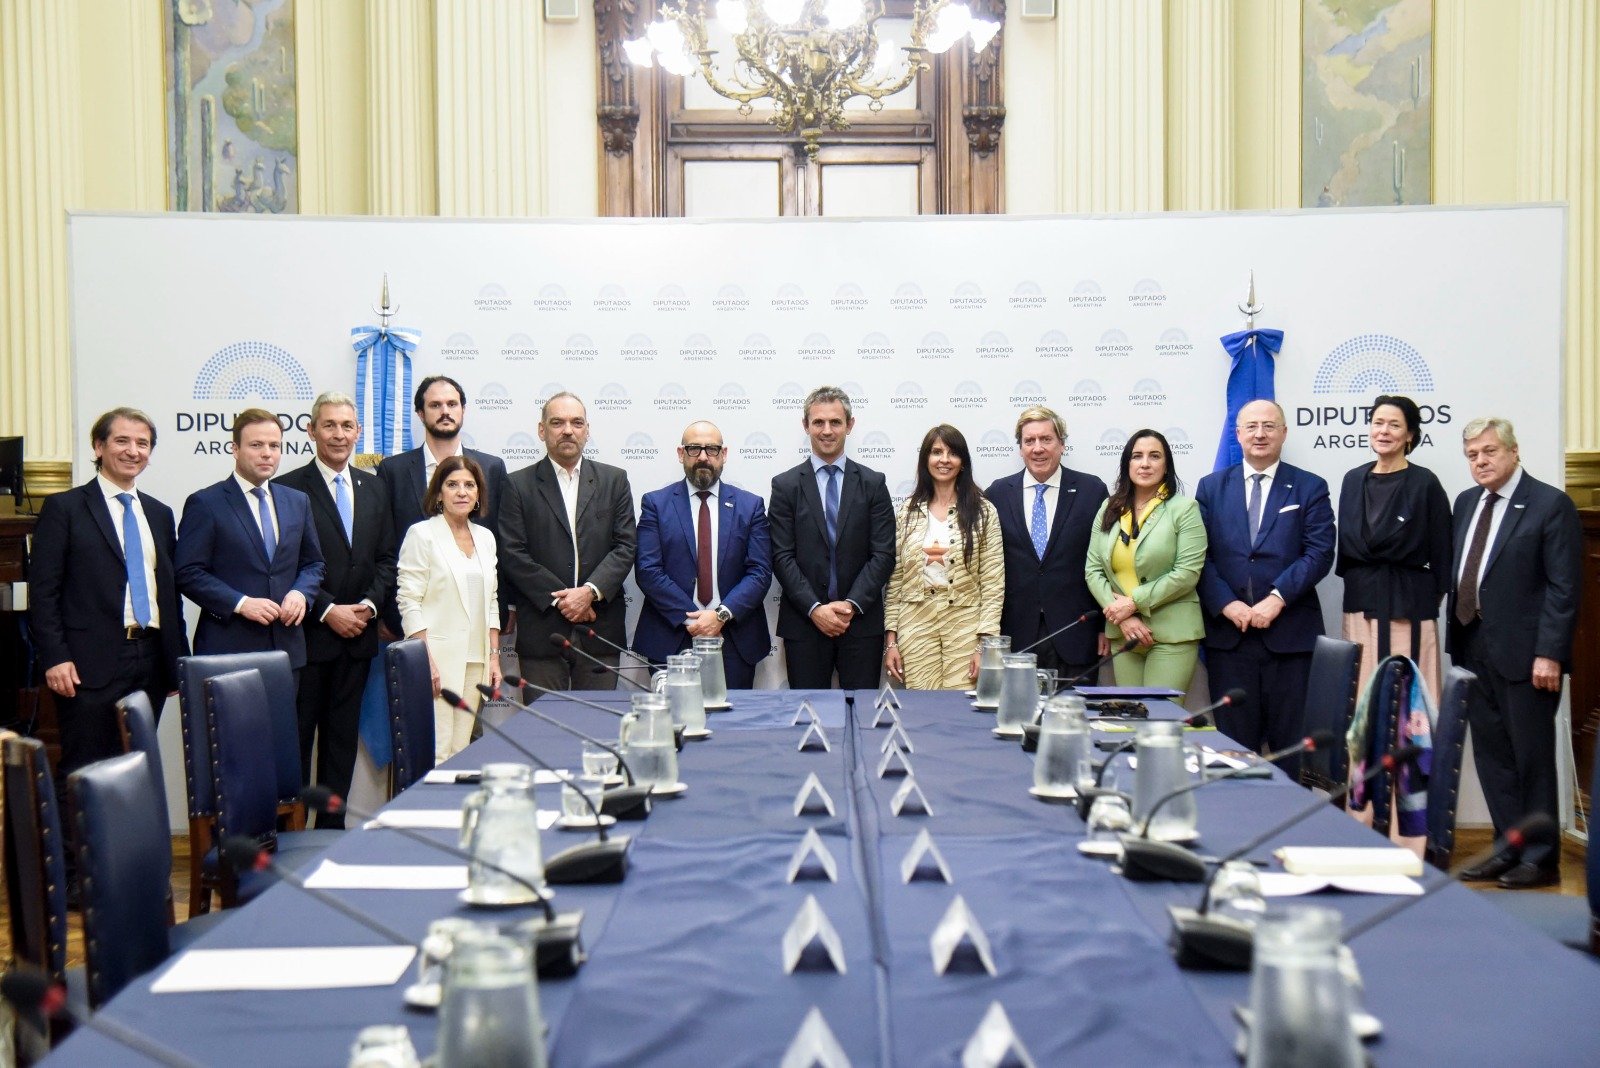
point(1170, 554)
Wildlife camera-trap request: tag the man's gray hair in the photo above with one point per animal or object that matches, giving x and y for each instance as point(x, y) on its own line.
point(332, 399)
point(1283, 416)
point(544, 409)
point(1502, 429)
point(827, 395)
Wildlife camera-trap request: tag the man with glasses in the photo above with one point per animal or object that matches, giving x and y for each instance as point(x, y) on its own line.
point(705, 562)
point(1270, 531)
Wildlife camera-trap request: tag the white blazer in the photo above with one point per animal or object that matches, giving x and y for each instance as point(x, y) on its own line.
point(432, 596)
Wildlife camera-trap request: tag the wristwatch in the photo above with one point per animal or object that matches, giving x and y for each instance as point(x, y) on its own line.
point(724, 615)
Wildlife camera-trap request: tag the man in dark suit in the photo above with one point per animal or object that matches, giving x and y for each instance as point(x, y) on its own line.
point(832, 550)
point(705, 562)
point(441, 404)
point(350, 508)
point(1046, 512)
point(1270, 532)
point(248, 553)
point(567, 542)
point(1518, 569)
point(105, 612)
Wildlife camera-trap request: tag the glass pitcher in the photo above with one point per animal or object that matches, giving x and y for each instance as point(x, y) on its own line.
point(490, 1015)
point(500, 826)
point(713, 678)
point(1162, 769)
point(647, 743)
point(1019, 691)
point(685, 697)
point(1063, 744)
point(1300, 1001)
point(991, 649)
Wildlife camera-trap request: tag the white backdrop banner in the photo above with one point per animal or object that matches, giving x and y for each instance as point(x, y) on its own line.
point(1112, 321)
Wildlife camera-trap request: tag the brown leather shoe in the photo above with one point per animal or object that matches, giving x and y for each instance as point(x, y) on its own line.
point(1490, 870)
point(1530, 877)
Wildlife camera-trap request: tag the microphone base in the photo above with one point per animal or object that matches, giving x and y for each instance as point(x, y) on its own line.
point(557, 944)
point(626, 802)
point(590, 862)
point(1030, 737)
point(1087, 794)
point(1210, 942)
point(1145, 860)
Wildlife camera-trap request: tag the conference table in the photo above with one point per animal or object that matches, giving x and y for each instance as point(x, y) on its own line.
point(686, 961)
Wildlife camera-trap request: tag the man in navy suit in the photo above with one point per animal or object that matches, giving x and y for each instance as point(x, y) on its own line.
point(350, 508)
point(832, 550)
point(1270, 531)
point(1046, 512)
point(1512, 614)
point(705, 562)
point(106, 621)
point(248, 553)
point(441, 404)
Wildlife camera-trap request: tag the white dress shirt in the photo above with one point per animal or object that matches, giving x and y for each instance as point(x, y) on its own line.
point(146, 542)
point(714, 505)
point(430, 463)
point(1271, 473)
point(567, 482)
point(1501, 507)
point(328, 475)
point(255, 506)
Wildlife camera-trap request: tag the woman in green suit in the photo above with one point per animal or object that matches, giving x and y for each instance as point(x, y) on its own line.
point(1144, 562)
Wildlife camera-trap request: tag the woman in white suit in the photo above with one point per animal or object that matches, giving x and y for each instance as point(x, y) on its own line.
point(449, 598)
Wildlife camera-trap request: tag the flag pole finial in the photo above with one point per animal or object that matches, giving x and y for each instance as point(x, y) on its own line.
point(1251, 308)
point(384, 309)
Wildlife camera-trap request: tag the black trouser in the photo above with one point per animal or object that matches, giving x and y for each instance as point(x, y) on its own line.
point(1513, 747)
point(811, 661)
point(329, 706)
point(1274, 716)
point(88, 721)
point(576, 673)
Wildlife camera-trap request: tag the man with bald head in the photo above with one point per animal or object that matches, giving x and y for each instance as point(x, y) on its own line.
point(1269, 527)
point(705, 562)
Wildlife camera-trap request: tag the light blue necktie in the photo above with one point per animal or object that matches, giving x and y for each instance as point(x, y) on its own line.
point(830, 512)
point(133, 557)
point(1255, 505)
point(1036, 525)
point(269, 537)
point(347, 512)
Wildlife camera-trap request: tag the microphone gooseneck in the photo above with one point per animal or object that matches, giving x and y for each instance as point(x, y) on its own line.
point(600, 665)
point(31, 991)
point(1319, 739)
point(597, 636)
point(1094, 669)
point(1090, 614)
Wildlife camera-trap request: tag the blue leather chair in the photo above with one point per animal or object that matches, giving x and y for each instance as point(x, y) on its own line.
point(283, 743)
point(239, 726)
point(1444, 778)
point(1330, 705)
point(125, 863)
point(136, 720)
point(410, 686)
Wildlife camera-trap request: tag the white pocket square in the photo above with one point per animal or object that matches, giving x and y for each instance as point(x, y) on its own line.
point(1401, 518)
point(1287, 508)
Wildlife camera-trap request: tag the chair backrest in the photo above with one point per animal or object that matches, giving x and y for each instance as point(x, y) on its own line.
point(241, 730)
point(125, 863)
point(35, 858)
point(1444, 775)
point(410, 687)
point(1390, 699)
point(1331, 693)
point(283, 724)
point(137, 721)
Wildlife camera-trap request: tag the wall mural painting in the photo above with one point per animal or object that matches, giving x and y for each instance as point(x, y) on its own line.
point(1366, 72)
point(231, 142)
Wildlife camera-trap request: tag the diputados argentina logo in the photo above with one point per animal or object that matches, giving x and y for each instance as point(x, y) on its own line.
point(244, 375)
point(612, 298)
point(1053, 346)
point(1086, 294)
point(1027, 295)
point(459, 347)
point(493, 397)
point(1363, 367)
point(492, 298)
point(519, 348)
point(731, 397)
point(968, 297)
point(613, 397)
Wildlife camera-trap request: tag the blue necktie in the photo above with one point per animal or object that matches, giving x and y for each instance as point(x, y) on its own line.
point(1255, 505)
point(347, 512)
point(133, 557)
point(1036, 525)
point(269, 537)
point(830, 512)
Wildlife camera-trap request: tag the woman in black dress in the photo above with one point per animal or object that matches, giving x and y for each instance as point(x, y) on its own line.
point(1394, 546)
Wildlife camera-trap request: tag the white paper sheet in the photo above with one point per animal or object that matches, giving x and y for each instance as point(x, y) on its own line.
point(1284, 884)
point(447, 776)
point(330, 875)
point(1343, 861)
point(440, 819)
point(299, 968)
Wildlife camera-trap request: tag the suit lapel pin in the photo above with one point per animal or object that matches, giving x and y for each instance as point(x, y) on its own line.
point(1519, 506)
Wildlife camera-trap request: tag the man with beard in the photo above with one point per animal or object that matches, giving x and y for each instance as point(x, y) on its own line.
point(705, 562)
point(567, 542)
point(441, 404)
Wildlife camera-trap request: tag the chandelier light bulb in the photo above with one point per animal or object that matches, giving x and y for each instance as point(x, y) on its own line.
point(667, 38)
point(784, 12)
point(982, 32)
point(842, 14)
point(639, 51)
point(953, 20)
point(732, 15)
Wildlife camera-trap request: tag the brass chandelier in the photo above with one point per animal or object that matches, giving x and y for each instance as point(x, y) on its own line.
point(808, 57)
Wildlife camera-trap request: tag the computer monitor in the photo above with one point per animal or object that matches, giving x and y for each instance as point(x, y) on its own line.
point(11, 468)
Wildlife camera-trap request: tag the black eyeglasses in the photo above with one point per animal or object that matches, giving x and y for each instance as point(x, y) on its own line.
point(712, 451)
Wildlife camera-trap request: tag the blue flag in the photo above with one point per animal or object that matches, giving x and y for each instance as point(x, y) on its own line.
point(1254, 353)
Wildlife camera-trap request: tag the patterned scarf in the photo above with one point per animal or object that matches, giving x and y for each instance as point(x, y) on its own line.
point(1382, 725)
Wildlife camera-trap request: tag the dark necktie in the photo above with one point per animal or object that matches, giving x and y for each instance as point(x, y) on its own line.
point(702, 585)
point(1467, 591)
point(1255, 505)
point(830, 512)
point(269, 537)
point(133, 556)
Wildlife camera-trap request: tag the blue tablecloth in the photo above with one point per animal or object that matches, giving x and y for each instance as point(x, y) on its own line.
point(686, 965)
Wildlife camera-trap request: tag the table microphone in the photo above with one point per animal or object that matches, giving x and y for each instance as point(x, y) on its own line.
point(558, 949)
point(600, 666)
point(597, 636)
point(33, 992)
point(1201, 940)
point(603, 861)
point(628, 802)
point(1234, 698)
point(1145, 859)
point(1090, 614)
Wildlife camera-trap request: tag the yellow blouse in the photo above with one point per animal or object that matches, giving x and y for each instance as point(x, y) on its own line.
point(1124, 549)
